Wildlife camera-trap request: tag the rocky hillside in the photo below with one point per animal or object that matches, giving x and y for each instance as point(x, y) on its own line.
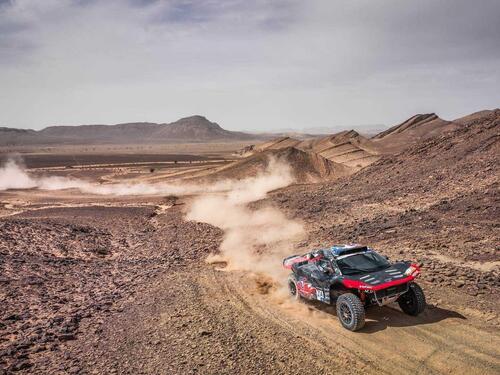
point(418, 128)
point(355, 152)
point(436, 203)
point(189, 129)
point(348, 148)
point(417, 122)
point(306, 166)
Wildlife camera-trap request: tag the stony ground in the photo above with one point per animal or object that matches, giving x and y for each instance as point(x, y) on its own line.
point(119, 285)
point(150, 305)
point(61, 266)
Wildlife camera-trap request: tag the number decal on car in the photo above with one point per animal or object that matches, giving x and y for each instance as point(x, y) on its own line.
point(320, 295)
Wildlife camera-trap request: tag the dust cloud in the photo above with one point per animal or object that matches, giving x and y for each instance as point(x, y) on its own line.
point(13, 175)
point(255, 240)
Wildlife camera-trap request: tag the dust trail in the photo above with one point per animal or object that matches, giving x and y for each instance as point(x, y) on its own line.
point(13, 175)
point(255, 240)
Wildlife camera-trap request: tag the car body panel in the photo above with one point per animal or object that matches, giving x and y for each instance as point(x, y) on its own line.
point(315, 281)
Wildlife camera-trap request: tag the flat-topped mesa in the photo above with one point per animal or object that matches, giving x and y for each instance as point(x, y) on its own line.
point(15, 130)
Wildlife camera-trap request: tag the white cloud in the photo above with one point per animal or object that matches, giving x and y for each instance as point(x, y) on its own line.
point(245, 64)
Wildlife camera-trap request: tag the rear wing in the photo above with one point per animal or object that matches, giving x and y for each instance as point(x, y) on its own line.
point(288, 262)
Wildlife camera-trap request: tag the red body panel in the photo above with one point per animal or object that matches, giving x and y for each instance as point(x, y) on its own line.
point(355, 284)
point(306, 290)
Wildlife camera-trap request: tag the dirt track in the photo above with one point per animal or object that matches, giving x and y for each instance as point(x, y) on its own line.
point(211, 321)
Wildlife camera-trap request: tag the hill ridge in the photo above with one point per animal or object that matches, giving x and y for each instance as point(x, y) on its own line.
point(194, 128)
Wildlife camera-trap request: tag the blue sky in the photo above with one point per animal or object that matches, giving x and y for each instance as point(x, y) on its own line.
point(248, 65)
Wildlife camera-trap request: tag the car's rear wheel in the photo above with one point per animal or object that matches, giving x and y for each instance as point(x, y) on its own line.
point(350, 311)
point(413, 301)
point(292, 287)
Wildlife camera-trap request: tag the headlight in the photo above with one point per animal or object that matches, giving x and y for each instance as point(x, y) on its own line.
point(366, 287)
point(412, 271)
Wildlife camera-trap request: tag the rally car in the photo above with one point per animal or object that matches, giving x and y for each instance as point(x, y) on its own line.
point(354, 277)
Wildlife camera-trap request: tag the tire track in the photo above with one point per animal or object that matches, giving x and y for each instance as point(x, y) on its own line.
point(392, 343)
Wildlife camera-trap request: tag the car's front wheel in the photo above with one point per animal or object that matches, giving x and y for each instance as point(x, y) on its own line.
point(413, 301)
point(350, 311)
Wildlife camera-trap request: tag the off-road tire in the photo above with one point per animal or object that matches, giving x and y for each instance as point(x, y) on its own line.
point(413, 301)
point(350, 311)
point(292, 287)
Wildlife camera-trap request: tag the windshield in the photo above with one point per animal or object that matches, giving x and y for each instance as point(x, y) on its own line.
point(365, 262)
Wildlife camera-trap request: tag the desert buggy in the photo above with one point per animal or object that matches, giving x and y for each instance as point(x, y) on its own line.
point(354, 277)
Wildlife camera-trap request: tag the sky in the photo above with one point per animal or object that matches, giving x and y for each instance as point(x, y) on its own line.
point(250, 65)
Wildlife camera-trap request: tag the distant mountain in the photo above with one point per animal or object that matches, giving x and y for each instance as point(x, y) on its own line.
point(188, 129)
point(13, 136)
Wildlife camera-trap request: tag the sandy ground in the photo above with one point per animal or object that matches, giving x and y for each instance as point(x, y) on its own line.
point(119, 285)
